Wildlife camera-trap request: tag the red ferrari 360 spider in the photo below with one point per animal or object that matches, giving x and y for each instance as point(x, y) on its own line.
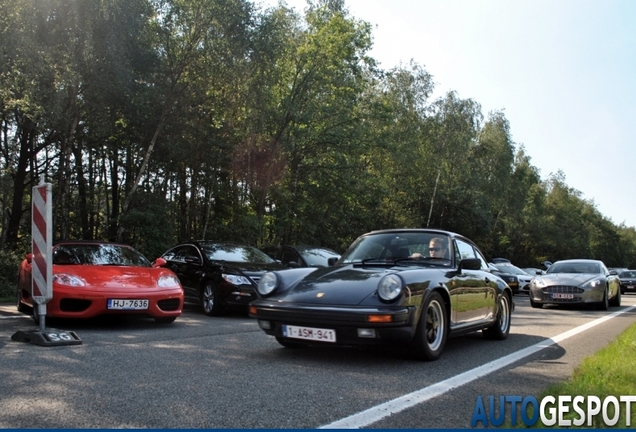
point(98, 278)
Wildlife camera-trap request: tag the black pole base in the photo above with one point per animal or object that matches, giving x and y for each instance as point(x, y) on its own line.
point(48, 337)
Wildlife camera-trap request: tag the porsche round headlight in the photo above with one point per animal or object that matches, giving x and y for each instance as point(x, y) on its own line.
point(390, 287)
point(267, 283)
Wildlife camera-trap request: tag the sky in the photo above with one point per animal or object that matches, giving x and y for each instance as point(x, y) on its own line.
point(562, 71)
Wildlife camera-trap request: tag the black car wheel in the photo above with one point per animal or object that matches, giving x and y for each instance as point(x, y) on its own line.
point(21, 306)
point(431, 333)
point(501, 328)
point(616, 301)
point(36, 313)
point(534, 304)
point(165, 320)
point(288, 344)
point(210, 300)
point(603, 304)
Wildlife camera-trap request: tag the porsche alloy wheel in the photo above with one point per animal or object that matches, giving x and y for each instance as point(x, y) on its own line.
point(432, 330)
point(501, 328)
point(210, 300)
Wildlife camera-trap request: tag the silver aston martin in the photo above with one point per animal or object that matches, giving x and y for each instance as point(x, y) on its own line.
point(576, 282)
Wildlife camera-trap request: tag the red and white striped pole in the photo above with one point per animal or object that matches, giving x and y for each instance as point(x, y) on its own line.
point(41, 244)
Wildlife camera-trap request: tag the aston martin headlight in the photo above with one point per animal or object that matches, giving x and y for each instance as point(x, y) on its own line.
point(593, 283)
point(166, 281)
point(236, 279)
point(267, 284)
point(68, 280)
point(390, 287)
point(538, 282)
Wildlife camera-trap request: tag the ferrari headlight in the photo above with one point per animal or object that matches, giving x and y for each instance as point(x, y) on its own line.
point(166, 281)
point(68, 280)
point(390, 287)
point(267, 283)
point(236, 279)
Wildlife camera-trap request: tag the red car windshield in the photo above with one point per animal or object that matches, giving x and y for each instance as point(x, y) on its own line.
point(98, 254)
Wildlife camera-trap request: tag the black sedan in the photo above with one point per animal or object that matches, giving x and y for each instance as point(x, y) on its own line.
point(302, 256)
point(415, 287)
point(576, 282)
point(628, 281)
point(218, 275)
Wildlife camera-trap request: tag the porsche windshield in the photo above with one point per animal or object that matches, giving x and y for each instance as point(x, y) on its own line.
point(400, 246)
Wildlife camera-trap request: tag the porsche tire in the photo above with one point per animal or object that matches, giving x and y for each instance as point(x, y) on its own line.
point(211, 300)
point(501, 328)
point(432, 329)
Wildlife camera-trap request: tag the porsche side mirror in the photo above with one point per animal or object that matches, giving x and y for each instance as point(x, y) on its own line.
point(293, 264)
point(159, 262)
point(469, 264)
point(332, 261)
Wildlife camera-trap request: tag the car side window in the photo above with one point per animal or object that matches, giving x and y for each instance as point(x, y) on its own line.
point(177, 254)
point(466, 250)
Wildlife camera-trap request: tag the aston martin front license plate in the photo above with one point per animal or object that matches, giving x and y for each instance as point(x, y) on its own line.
point(309, 333)
point(562, 296)
point(127, 304)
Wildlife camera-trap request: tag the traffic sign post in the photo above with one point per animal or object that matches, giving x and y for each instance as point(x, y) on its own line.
point(41, 246)
point(42, 271)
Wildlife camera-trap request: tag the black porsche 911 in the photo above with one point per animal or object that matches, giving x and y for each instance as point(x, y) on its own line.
point(411, 286)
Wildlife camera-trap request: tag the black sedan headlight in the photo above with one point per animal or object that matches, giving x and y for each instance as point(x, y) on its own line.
point(390, 287)
point(267, 284)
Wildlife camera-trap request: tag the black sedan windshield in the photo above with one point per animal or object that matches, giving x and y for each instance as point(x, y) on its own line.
point(235, 253)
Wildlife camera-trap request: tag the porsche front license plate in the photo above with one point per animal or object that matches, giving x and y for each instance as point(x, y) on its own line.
point(562, 296)
point(309, 333)
point(127, 304)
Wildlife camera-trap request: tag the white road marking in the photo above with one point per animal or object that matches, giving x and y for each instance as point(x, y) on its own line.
point(394, 406)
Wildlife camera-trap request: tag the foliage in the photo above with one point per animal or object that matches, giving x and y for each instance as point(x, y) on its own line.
point(158, 121)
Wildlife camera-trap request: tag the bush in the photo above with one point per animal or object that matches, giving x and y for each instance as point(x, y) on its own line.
point(9, 264)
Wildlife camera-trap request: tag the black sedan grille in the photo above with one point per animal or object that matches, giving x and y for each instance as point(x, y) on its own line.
point(564, 289)
point(74, 305)
point(169, 304)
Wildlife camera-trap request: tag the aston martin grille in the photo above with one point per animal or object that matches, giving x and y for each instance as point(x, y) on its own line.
point(565, 289)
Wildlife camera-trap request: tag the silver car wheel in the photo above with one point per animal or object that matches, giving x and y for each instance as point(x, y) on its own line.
point(435, 327)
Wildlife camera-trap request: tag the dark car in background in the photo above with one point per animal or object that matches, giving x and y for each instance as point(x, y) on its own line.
point(523, 278)
point(628, 281)
point(576, 282)
point(376, 294)
point(218, 275)
point(302, 256)
point(510, 279)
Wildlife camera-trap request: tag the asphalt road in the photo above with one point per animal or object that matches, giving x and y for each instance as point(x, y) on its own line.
point(203, 372)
